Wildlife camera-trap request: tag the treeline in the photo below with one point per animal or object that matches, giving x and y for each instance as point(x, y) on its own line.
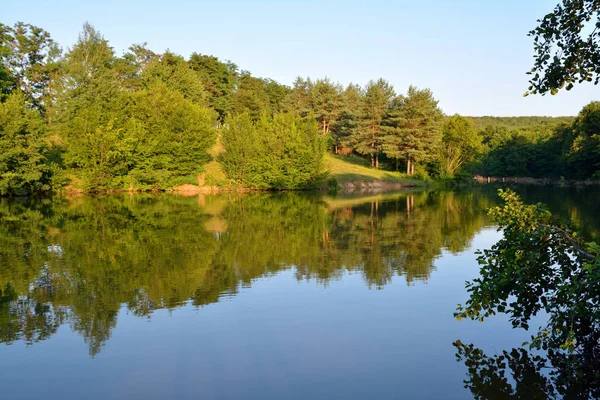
point(518, 122)
point(87, 119)
point(90, 120)
point(540, 147)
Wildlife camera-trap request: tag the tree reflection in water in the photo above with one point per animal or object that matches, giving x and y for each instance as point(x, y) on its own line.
point(80, 260)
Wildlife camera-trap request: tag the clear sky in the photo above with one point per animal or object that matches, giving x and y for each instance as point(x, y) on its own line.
point(473, 54)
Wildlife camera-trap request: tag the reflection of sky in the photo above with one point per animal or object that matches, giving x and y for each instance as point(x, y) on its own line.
point(56, 249)
point(280, 338)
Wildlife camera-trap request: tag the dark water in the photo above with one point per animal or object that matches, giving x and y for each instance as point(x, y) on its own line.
point(266, 296)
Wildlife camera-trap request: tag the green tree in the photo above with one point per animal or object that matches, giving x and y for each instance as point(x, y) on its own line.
point(564, 53)
point(377, 99)
point(177, 75)
point(583, 157)
point(166, 138)
point(87, 113)
point(23, 168)
point(413, 128)
point(461, 144)
point(251, 96)
point(344, 130)
point(132, 65)
point(30, 57)
point(220, 80)
point(326, 103)
point(542, 265)
point(277, 94)
point(299, 99)
point(282, 151)
point(7, 81)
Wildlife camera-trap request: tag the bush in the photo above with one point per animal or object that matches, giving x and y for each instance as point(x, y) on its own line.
point(278, 152)
point(23, 165)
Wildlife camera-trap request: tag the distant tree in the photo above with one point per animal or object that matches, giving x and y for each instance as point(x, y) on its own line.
point(584, 154)
point(30, 57)
point(277, 94)
point(299, 99)
point(176, 73)
point(133, 63)
point(564, 53)
point(461, 144)
point(344, 129)
point(7, 80)
point(220, 80)
point(413, 130)
point(376, 103)
point(23, 168)
point(493, 136)
point(326, 103)
point(251, 96)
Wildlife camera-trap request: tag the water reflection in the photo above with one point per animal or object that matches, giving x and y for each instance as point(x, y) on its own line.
point(78, 261)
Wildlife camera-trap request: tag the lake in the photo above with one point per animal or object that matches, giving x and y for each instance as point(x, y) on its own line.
point(255, 296)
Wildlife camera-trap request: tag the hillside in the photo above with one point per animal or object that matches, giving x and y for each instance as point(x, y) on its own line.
point(518, 122)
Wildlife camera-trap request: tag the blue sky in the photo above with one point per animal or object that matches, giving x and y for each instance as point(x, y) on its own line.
point(473, 54)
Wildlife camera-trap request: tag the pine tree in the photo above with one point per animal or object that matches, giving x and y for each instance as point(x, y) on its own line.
point(326, 103)
point(375, 106)
point(344, 130)
point(412, 130)
point(299, 99)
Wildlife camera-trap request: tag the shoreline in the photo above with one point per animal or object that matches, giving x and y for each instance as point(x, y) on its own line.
point(535, 181)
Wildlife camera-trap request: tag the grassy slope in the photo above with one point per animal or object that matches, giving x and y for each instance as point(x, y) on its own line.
point(349, 168)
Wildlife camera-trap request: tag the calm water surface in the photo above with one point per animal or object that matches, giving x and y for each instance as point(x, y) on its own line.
point(266, 296)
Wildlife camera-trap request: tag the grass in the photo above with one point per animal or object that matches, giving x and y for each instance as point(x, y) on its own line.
point(351, 168)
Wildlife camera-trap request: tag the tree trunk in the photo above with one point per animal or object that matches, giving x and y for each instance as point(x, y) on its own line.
point(412, 168)
point(377, 161)
point(372, 161)
point(408, 166)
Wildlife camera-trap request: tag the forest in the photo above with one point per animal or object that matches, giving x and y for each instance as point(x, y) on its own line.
point(84, 119)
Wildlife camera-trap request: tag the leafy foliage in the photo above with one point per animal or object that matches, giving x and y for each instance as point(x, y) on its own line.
point(23, 169)
point(377, 99)
point(276, 152)
point(413, 128)
point(541, 265)
point(461, 144)
point(564, 53)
